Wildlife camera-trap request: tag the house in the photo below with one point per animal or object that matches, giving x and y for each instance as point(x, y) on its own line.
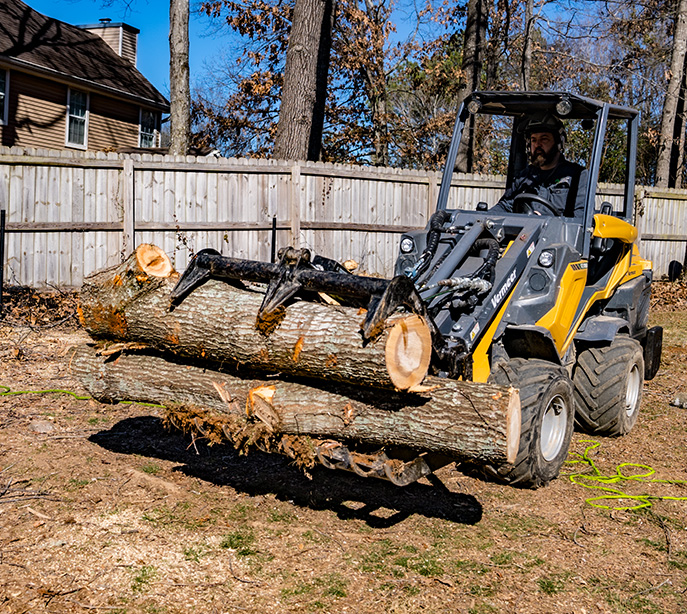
point(69, 87)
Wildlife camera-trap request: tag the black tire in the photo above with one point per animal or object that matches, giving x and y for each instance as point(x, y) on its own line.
point(547, 407)
point(608, 387)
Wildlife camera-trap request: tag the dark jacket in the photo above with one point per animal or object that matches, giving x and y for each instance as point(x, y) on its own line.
point(564, 186)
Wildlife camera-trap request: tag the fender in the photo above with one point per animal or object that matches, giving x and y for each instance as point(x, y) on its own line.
point(601, 328)
point(530, 341)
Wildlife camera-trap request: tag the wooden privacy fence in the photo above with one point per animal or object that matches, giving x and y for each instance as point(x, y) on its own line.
point(70, 214)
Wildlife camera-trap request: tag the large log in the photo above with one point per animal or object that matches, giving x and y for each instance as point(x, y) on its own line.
point(217, 323)
point(463, 420)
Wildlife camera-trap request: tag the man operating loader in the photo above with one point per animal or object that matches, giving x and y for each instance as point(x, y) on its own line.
point(550, 185)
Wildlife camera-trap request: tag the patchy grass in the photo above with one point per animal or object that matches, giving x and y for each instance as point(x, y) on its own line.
point(241, 540)
point(142, 578)
point(142, 520)
point(151, 468)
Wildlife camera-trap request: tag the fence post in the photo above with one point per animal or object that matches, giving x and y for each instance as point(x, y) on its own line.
point(295, 199)
point(2, 256)
point(432, 192)
point(127, 192)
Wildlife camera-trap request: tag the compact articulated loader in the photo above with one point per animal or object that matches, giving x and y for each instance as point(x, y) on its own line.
point(553, 306)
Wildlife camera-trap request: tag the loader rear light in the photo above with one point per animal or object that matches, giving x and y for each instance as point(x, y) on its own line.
point(407, 245)
point(474, 106)
point(546, 259)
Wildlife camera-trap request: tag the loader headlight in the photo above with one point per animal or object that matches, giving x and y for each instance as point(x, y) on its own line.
point(564, 106)
point(546, 259)
point(407, 245)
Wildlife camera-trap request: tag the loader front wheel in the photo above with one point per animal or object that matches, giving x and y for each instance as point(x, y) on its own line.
point(548, 413)
point(608, 387)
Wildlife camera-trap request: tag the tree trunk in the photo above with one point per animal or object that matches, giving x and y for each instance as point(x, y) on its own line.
point(216, 322)
point(473, 58)
point(677, 162)
point(179, 89)
point(301, 117)
point(497, 45)
point(463, 420)
point(677, 66)
point(526, 64)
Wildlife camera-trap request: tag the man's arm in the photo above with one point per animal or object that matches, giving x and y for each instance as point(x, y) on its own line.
point(506, 201)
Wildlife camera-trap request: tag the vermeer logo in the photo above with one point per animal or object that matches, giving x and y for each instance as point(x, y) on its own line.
point(499, 296)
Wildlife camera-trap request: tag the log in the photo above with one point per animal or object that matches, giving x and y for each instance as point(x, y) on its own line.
point(217, 323)
point(462, 420)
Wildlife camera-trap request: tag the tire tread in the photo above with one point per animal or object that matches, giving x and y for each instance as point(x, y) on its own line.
point(599, 377)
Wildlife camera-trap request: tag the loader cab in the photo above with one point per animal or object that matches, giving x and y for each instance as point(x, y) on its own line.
point(601, 137)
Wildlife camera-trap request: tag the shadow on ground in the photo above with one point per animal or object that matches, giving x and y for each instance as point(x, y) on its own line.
point(379, 503)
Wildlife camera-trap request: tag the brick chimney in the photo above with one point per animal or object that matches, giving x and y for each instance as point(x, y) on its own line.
point(121, 37)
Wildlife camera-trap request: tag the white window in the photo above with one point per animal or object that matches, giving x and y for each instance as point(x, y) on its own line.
point(148, 129)
point(77, 119)
point(4, 89)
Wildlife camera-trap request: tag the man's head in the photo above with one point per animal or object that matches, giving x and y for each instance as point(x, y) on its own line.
point(546, 136)
point(545, 150)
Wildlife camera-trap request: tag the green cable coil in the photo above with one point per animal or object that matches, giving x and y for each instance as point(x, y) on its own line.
point(598, 481)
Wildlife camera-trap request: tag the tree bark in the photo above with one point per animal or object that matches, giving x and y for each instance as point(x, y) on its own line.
point(497, 45)
point(217, 323)
point(464, 420)
point(179, 89)
point(526, 64)
point(677, 161)
point(473, 59)
point(301, 117)
point(677, 66)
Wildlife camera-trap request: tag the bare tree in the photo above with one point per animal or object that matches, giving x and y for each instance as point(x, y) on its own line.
point(526, 64)
point(667, 145)
point(179, 89)
point(301, 115)
point(473, 60)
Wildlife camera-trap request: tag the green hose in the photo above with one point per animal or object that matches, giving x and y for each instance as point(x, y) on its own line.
point(597, 481)
point(7, 391)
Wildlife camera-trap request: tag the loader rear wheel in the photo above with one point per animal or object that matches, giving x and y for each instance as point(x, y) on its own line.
point(548, 412)
point(608, 387)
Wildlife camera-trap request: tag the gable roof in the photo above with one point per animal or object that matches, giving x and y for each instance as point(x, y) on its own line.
point(56, 49)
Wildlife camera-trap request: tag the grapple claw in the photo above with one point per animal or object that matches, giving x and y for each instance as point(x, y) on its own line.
point(197, 272)
point(286, 284)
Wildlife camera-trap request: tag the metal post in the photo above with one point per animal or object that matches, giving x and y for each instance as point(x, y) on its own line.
point(2, 256)
point(274, 239)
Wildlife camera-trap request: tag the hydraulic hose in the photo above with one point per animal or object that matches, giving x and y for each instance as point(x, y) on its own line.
point(436, 223)
point(487, 270)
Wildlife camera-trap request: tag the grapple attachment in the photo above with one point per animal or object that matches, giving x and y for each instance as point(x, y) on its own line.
point(296, 272)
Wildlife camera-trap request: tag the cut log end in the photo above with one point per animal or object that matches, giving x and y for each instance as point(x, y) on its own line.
point(513, 426)
point(153, 261)
point(408, 352)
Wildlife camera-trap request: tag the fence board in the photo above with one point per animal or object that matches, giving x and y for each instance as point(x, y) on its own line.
point(68, 214)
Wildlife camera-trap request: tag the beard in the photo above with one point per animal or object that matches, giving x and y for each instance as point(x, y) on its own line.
point(541, 158)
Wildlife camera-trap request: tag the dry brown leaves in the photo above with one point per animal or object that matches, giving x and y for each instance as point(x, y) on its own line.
point(28, 307)
point(668, 296)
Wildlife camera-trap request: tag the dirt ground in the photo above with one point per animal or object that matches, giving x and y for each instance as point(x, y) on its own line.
point(102, 509)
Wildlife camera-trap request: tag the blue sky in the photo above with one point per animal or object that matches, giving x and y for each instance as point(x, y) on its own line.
point(151, 17)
